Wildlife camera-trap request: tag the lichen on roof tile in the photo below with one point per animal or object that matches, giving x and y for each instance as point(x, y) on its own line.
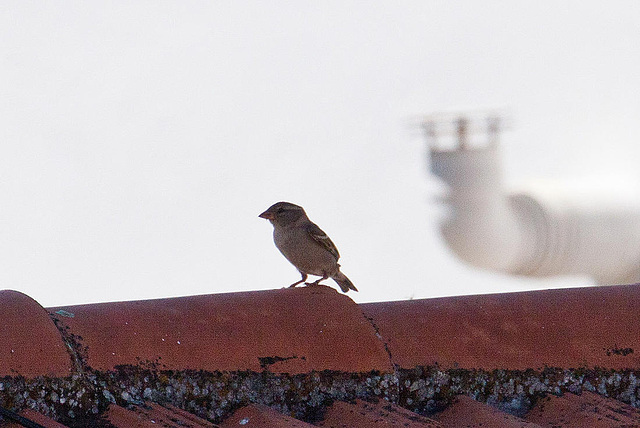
point(308, 353)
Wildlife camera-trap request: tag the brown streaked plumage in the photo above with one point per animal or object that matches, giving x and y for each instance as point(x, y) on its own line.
point(305, 245)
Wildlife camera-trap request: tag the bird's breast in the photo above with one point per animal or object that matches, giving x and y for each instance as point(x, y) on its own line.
point(303, 252)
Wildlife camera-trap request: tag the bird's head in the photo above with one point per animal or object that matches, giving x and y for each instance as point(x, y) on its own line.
point(283, 213)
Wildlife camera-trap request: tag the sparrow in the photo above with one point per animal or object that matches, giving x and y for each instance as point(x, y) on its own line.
point(305, 245)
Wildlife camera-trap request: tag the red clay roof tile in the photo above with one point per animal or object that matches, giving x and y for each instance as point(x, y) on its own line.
point(316, 328)
point(36, 417)
point(373, 415)
point(187, 417)
point(120, 417)
point(30, 343)
point(153, 415)
point(259, 416)
point(467, 412)
point(289, 330)
point(585, 410)
point(558, 328)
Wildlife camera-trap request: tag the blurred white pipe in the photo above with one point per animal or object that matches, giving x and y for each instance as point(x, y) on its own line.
point(540, 231)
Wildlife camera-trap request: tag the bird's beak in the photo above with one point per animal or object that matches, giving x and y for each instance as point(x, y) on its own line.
point(268, 215)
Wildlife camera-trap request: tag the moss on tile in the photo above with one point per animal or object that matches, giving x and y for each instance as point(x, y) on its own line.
point(83, 397)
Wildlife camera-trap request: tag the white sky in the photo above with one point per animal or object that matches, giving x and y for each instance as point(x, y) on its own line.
point(140, 140)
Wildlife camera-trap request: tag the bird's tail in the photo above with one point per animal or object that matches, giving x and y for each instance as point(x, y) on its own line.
point(344, 282)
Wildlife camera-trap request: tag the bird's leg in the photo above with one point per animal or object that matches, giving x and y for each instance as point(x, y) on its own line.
point(325, 276)
point(304, 278)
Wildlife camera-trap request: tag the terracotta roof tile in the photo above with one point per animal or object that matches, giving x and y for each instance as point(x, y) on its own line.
point(30, 343)
point(580, 411)
point(557, 328)
point(33, 416)
point(298, 350)
point(289, 330)
point(153, 415)
point(465, 412)
point(188, 417)
point(374, 415)
point(259, 416)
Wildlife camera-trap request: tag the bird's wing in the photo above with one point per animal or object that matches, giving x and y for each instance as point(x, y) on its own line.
point(321, 238)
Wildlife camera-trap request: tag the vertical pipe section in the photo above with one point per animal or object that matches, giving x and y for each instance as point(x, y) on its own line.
point(540, 231)
point(481, 227)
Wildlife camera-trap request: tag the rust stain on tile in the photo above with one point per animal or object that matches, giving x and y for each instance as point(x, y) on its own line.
point(558, 328)
point(30, 344)
point(288, 330)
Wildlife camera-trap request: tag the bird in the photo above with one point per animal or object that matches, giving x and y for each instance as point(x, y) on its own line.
point(305, 245)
